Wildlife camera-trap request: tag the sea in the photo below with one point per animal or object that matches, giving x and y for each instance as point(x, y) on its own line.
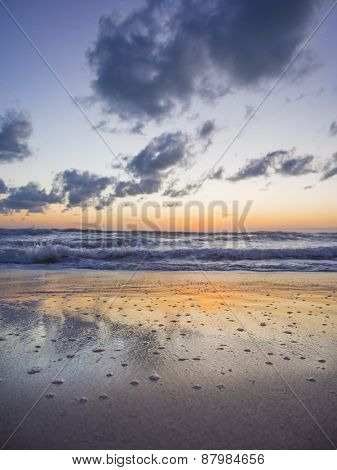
point(168, 251)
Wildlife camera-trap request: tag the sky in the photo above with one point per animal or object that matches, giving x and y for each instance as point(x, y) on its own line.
point(110, 103)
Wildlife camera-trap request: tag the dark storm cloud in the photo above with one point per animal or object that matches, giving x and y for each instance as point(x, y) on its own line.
point(205, 133)
point(278, 162)
point(3, 187)
point(330, 169)
point(207, 129)
point(15, 130)
point(81, 188)
point(71, 187)
point(131, 188)
point(149, 168)
point(162, 153)
point(333, 129)
point(168, 51)
point(151, 165)
point(29, 197)
point(74, 188)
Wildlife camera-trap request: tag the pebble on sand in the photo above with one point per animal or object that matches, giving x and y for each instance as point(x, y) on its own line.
point(82, 400)
point(103, 396)
point(134, 382)
point(311, 379)
point(58, 382)
point(154, 377)
point(50, 395)
point(197, 387)
point(34, 370)
point(98, 350)
point(220, 387)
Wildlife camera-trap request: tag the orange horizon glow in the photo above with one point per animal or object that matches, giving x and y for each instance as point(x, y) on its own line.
point(318, 220)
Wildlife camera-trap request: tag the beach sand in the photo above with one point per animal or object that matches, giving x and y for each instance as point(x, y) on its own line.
point(167, 360)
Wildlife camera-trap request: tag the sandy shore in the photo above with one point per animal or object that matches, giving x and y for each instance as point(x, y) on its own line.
point(167, 360)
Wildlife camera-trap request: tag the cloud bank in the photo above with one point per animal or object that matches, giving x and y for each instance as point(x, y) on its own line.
point(74, 188)
point(157, 58)
point(81, 188)
point(29, 197)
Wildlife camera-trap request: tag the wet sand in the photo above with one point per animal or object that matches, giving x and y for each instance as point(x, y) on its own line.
point(115, 360)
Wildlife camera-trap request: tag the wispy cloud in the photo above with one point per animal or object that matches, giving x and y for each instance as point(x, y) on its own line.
point(216, 174)
point(281, 162)
point(330, 168)
point(182, 192)
point(333, 129)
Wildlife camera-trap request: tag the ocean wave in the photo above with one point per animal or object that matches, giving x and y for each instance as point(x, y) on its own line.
point(94, 249)
point(53, 253)
point(270, 234)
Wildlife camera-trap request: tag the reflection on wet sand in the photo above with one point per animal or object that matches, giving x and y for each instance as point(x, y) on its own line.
point(167, 360)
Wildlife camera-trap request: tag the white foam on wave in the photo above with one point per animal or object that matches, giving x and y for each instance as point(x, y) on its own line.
point(50, 253)
point(282, 251)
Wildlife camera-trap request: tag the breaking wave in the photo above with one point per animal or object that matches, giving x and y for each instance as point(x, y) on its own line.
point(123, 258)
point(263, 251)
